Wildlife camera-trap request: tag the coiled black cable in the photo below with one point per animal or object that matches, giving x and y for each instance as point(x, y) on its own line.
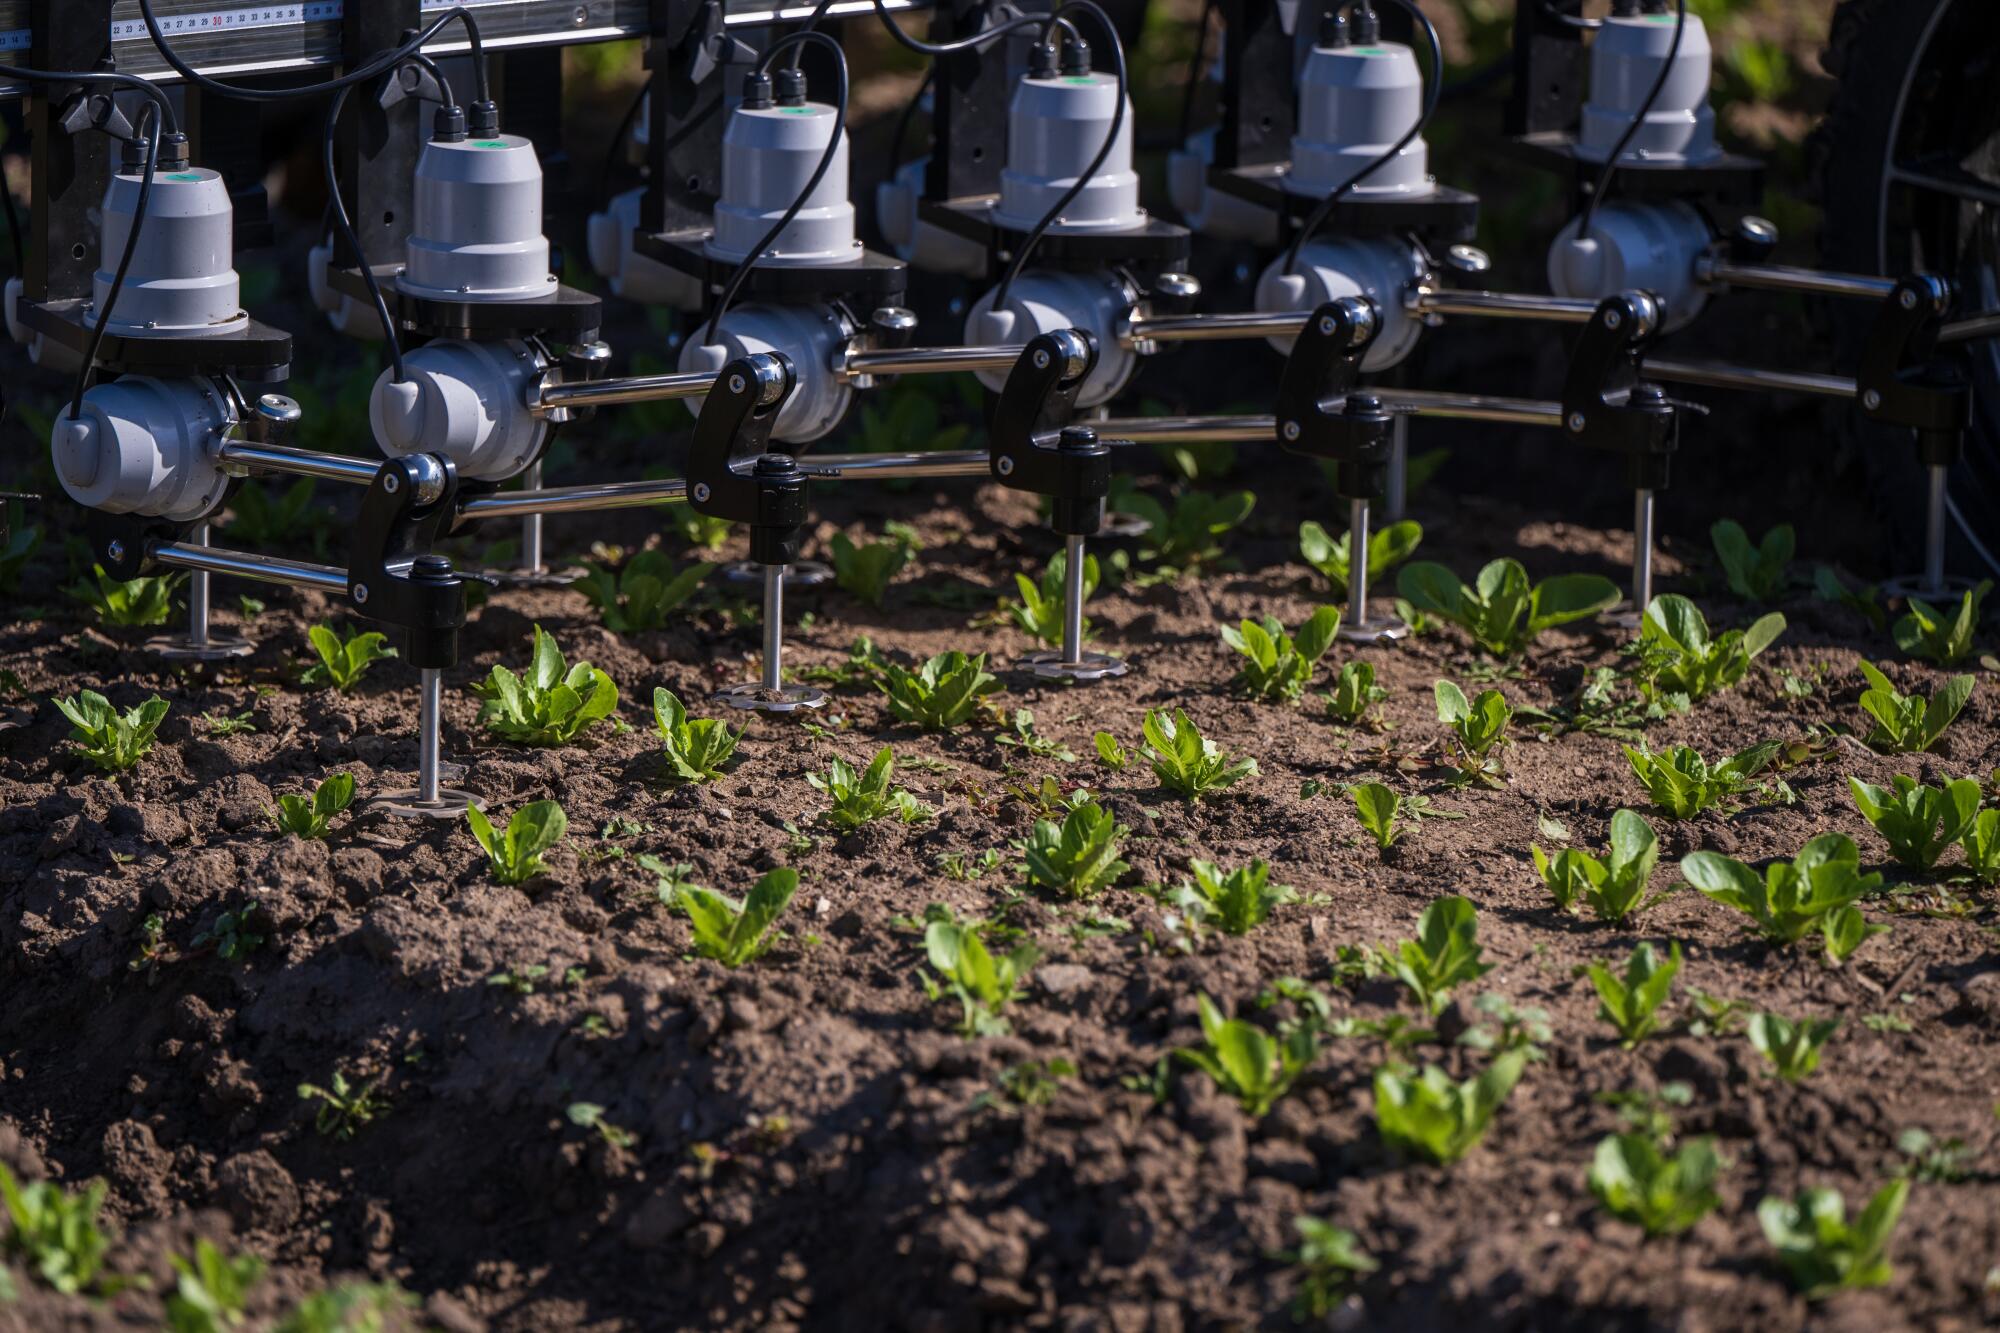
point(1605, 177)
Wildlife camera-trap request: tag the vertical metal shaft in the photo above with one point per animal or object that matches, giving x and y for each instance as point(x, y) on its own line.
point(1073, 559)
point(1642, 551)
point(1934, 531)
point(531, 526)
point(198, 594)
point(1357, 563)
point(774, 625)
point(429, 726)
point(1397, 494)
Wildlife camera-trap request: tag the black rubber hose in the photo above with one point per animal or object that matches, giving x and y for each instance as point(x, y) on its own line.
point(1645, 109)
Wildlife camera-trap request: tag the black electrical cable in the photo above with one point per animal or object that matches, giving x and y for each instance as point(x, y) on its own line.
point(1027, 247)
point(1604, 177)
point(353, 78)
point(345, 226)
point(1194, 69)
point(1317, 218)
point(749, 261)
point(124, 261)
point(1041, 22)
point(430, 67)
point(1570, 20)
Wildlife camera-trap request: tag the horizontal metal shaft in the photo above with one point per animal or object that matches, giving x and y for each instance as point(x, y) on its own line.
point(1501, 305)
point(1716, 375)
point(1781, 278)
point(630, 389)
point(858, 467)
point(930, 360)
point(1206, 430)
point(287, 461)
point(1963, 330)
point(1470, 407)
point(574, 499)
point(1218, 327)
point(245, 565)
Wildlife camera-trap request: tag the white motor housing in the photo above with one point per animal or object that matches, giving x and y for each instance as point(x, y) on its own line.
point(768, 155)
point(356, 319)
point(1207, 211)
point(467, 401)
point(1055, 127)
point(1625, 62)
point(1355, 103)
point(477, 232)
point(183, 277)
point(1382, 268)
point(1650, 246)
point(812, 336)
point(1047, 301)
point(918, 243)
point(632, 275)
point(145, 446)
point(43, 352)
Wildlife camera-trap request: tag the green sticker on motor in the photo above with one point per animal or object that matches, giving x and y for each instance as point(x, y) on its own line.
point(186, 176)
point(489, 143)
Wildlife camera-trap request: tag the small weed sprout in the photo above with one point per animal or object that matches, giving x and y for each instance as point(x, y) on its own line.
point(1247, 1062)
point(310, 818)
point(945, 692)
point(112, 740)
point(1187, 763)
point(734, 933)
point(344, 1107)
point(1792, 1047)
point(1791, 898)
point(1919, 823)
point(1631, 1003)
point(1328, 1258)
point(1426, 1115)
point(859, 799)
point(549, 705)
point(1941, 640)
point(1501, 612)
point(515, 855)
point(1910, 724)
point(1278, 665)
point(697, 749)
point(590, 1116)
point(1821, 1250)
point(343, 662)
point(1354, 694)
point(1078, 857)
point(1023, 736)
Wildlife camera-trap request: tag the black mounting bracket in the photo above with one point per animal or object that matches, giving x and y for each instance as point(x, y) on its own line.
point(1605, 403)
point(1032, 446)
point(393, 576)
point(563, 312)
point(1905, 379)
point(731, 474)
point(1319, 414)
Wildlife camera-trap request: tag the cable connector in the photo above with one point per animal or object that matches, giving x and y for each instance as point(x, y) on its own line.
point(1365, 27)
point(1075, 57)
point(449, 125)
point(482, 120)
point(756, 90)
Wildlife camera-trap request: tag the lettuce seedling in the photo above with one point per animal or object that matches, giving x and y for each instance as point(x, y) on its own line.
point(310, 818)
point(1677, 656)
point(1821, 1250)
point(644, 593)
point(1476, 727)
point(56, 1234)
point(1792, 1047)
point(516, 854)
point(866, 571)
point(1791, 897)
point(1280, 665)
point(1247, 1062)
point(1444, 955)
point(147, 600)
point(343, 662)
point(1077, 857)
point(1039, 613)
point(1327, 1258)
point(1981, 844)
point(549, 705)
point(1637, 1182)
point(1614, 888)
point(1427, 1115)
point(1235, 901)
point(112, 740)
point(734, 933)
point(1354, 693)
point(1755, 573)
point(1846, 930)
point(941, 694)
point(982, 983)
point(1924, 631)
point(1187, 763)
point(345, 1108)
point(698, 748)
point(1631, 1003)
point(1190, 534)
point(210, 1290)
point(1387, 547)
point(1110, 752)
point(1918, 822)
point(864, 797)
point(1683, 784)
point(1908, 723)
point(1377, 807)
point(1500, 611)
point(1863, 601)
point(350, 1307)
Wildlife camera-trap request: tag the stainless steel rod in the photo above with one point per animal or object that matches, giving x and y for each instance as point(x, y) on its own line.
point(430, 726)
point(1501, 305)
point(774, 625)
point(1934, 530)
point(1217, 327)
point(631, 389)
point(242, 564)
point(1073, 558)
point(930, 360)
point(1781, 278)
point(1357, 564)
point(1396, 502)
point(1715, 375)
point(574, 499)
point(1642, 551)
point(531, 525)
point(198, 593)
point(1205, 429)
point(1963, 330)
point(1470, 407)
point(287, 461)
point(857, 467)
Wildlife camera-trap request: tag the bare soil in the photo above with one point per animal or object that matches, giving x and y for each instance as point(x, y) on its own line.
point(815, 1146)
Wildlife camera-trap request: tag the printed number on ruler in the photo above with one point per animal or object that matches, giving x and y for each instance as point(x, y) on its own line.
point(230, 20)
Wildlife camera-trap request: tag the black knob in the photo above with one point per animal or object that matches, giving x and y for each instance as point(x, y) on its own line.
point(430, 569)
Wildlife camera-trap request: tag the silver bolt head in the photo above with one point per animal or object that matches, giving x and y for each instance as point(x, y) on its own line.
point(1909, 299)
point(1871, 400)
point(116, 550)
point(361, 594)
point(736, 384)
point(1291, 430)
point(1326, 326)
point(1041, 359)
point(1612, 319)
point(1005, 466)
point(391, 483)
point(701, 491)
point(1576, 421)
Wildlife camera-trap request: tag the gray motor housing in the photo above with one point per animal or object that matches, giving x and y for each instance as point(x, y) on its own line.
point(768, 155)
point(922, 244)
point(1355, 102)
point(813, 336)
point(467, 401)
point(1648, 246)
point(1048, 301)
point(1382, 268)
point(145, 446)
point(632, 275)
point(1625, 61)
point(1055, 127)
point(477, 232)
point(183, 277)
